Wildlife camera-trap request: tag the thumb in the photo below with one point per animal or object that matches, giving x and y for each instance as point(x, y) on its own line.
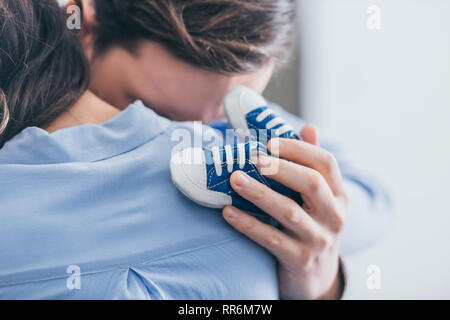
point(310, 135)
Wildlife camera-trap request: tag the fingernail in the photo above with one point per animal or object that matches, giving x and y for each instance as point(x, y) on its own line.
point(241, 179)
point(230, 213)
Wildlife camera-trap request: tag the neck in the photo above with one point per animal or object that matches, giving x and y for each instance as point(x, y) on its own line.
point(89, 109)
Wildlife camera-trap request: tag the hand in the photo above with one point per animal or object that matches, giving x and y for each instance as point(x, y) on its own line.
point(308, 246)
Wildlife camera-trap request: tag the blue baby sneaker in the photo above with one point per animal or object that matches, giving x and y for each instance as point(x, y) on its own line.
point(203, 175)
point(251, 118)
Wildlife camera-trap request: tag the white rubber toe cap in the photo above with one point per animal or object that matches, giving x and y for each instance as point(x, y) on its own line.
point(188, 171)
point(239, 102)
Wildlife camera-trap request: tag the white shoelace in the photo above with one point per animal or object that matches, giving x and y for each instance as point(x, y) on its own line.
point(229, 156)
point(274, 122)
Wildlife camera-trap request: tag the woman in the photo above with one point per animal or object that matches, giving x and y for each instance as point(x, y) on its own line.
point(87, 207)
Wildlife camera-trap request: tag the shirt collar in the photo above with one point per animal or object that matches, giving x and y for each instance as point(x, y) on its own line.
point(133, 127)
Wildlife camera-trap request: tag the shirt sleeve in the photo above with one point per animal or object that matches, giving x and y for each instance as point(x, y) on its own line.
point(370, 208)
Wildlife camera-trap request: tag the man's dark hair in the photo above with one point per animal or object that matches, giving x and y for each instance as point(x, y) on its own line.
point(42, 66)
point(221, 36)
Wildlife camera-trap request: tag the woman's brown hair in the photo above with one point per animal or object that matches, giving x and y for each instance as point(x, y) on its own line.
point(221, 36)
point(42, 67)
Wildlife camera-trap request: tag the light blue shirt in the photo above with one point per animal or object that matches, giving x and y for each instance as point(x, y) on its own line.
point(97, 201)
point(90, 212)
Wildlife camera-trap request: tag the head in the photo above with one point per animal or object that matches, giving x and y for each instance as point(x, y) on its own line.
point(182, 56)
point(42, 67)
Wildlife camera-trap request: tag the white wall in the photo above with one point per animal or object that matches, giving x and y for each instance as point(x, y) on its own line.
point(283, 88)
point(386, 94)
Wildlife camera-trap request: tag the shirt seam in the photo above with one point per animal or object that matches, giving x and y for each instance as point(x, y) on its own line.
point(122, 266)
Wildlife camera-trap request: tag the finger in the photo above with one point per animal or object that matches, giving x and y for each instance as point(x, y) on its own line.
point(278, 243)
point(283, 209)
point(310, 156)
point(310, 135)
point(315, 191)
point(309, 182)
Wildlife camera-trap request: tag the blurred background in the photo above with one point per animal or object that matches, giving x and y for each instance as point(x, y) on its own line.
point(375, 75)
